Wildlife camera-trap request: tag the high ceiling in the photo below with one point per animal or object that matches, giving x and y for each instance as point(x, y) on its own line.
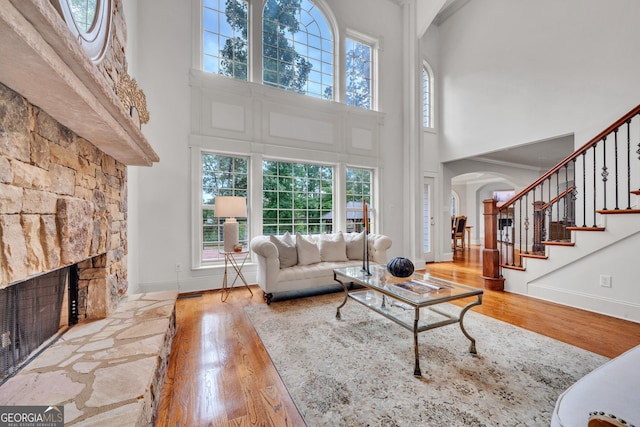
point(542, 155)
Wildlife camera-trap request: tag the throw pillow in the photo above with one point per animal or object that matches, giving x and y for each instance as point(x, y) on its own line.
point(355, 246)
point(308, 252)
point(333, 248)
point(287, 253)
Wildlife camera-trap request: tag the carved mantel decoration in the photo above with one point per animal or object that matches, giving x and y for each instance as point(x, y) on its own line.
point(132, 97)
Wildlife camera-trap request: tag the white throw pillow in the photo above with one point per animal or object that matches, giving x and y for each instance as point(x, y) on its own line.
point(287, 253)
point(333, 248)
point(355, 246)
point(308, 251)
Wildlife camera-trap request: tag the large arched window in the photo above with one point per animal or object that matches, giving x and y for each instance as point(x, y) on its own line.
point(297, 48)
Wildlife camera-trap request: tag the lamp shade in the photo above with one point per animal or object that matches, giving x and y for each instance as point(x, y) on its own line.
point(230, 207)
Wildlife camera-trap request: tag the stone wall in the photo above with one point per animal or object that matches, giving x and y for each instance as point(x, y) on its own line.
point(62, 202)
point(114, 63)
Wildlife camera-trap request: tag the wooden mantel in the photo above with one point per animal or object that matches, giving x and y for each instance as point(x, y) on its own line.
point(41, 60)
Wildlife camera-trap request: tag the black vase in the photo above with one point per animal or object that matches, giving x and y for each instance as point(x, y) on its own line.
point(400, 267)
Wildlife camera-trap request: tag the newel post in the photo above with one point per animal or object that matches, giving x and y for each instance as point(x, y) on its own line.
point(490, 253)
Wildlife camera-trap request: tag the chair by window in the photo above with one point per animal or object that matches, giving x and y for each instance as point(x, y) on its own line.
point(458, 233)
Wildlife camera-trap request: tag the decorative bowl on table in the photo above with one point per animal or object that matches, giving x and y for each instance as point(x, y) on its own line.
point(400, 267)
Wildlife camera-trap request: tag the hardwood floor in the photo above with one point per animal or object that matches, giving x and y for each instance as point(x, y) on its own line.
point(221, 375)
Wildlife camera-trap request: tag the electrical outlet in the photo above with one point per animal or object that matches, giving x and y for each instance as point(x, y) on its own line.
point(178, 267)
point(605, 280)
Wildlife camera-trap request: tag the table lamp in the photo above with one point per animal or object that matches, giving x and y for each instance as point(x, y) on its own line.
point(230, 207)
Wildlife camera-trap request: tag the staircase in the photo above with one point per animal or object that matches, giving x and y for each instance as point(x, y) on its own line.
point(573, 235)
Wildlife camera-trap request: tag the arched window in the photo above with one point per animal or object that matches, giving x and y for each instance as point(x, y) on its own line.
point(454, 203)
point(297, 48)
point(427, 96)
point(90, 24)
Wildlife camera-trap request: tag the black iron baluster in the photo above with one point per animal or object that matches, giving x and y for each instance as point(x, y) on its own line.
point(595, 183)
point(615, 166)
point(584, 188)
point(604, 173)
point(550, 205)
point(638, 150)
point(558, 222)
point(629, 164)
point(565, 232)
point(548, 222)
point(543, 232)
point(520, 230)
point(574, 196)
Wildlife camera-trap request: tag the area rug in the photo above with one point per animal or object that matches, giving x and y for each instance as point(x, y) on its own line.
point(358, 371)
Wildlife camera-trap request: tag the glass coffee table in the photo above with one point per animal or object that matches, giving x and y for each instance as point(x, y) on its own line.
point(400, 300)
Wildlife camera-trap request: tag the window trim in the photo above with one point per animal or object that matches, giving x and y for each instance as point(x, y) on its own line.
point(254, 194)
point(432, 116)
point(375, 48)
point(197, 237)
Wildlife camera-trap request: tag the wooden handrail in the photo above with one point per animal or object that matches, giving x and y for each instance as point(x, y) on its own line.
point(572, 156)
point(558, 197)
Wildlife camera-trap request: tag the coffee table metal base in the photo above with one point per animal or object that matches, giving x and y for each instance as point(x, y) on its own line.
point(415, 327)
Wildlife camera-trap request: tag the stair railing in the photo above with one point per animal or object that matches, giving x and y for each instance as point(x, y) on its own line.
point(595, 179)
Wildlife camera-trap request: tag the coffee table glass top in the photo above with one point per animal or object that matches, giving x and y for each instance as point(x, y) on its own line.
point(417, 290)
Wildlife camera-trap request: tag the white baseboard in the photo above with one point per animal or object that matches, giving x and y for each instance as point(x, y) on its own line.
point(596, 304)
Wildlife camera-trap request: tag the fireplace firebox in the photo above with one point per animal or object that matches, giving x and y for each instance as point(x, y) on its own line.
point(33, 314)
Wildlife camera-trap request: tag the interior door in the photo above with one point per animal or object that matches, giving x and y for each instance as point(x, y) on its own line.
point(428, 220)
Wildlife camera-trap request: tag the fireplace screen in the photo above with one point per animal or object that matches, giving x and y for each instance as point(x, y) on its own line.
point(31, 313)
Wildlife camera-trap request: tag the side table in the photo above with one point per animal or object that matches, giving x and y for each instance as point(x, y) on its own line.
point(235, 260)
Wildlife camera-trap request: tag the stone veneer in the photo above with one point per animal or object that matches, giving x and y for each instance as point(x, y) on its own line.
point(62, 202)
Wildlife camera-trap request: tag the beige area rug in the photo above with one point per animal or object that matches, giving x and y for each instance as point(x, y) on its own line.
point(358, 371)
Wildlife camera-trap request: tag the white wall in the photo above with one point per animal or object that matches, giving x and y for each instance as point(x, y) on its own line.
point(183, 103)
point(130, 10)
point(513, 72)
point(164, 59)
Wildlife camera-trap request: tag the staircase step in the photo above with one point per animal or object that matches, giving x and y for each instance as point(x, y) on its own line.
point(512, 267)
point(534, 256)
point(618, 211)
point(557, 243)
point(585, 228)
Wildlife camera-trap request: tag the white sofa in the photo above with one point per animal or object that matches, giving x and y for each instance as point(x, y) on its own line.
point(315, 258)
point(612, 391)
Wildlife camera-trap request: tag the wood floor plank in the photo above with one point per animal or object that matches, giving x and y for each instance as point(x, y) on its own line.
point(220, 374)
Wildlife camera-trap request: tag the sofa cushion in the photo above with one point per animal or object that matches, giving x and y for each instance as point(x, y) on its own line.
point(308, 251)
point(287, 253)
point(355, 245)
point(333, 247)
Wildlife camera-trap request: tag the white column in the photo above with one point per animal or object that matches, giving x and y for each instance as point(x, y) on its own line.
point(412, 145)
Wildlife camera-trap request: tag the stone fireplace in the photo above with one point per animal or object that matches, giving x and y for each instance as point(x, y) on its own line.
point(66, 137)
point(62, 202)
point(68, 132)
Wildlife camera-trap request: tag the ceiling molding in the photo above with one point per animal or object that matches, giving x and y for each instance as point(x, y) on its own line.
point(449, 9)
